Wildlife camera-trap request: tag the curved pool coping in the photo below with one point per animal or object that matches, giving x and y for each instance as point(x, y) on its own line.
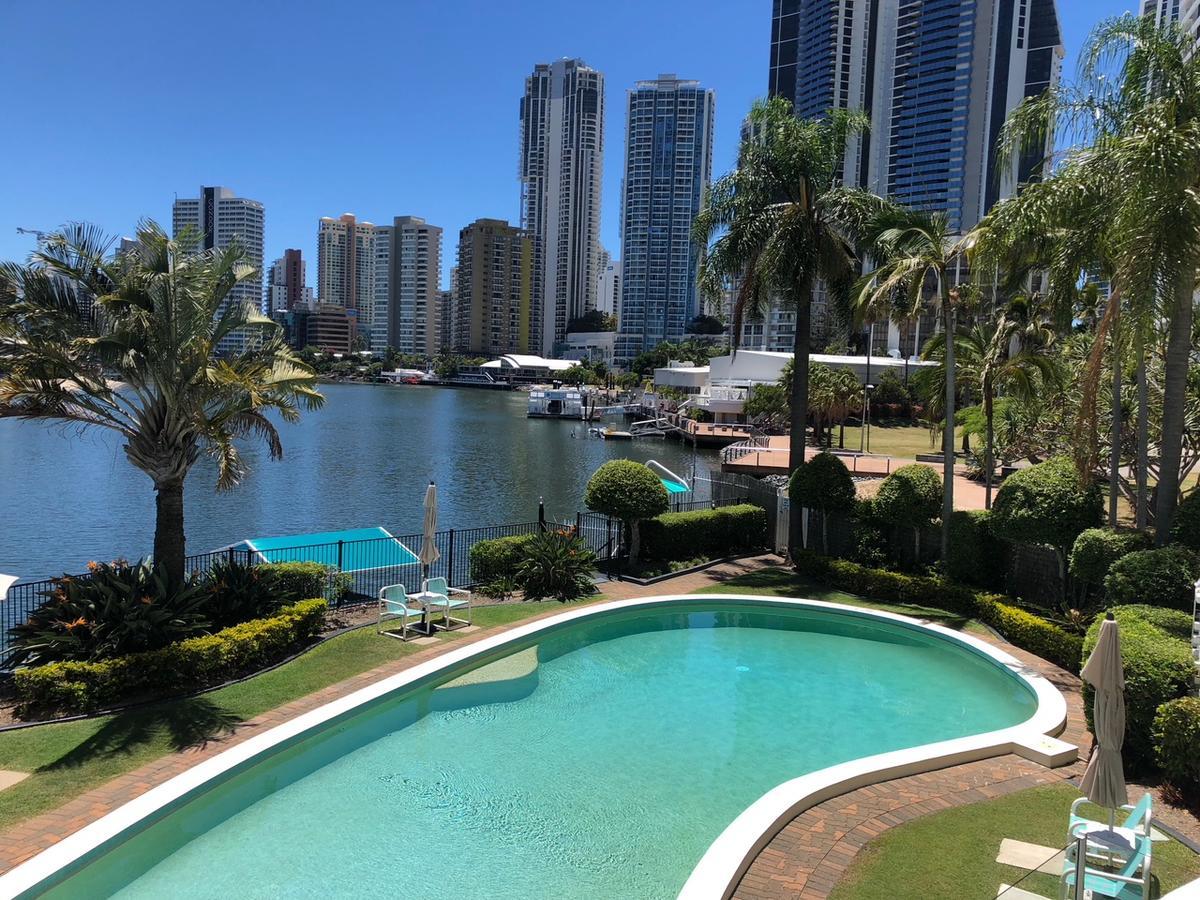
point(722, 865)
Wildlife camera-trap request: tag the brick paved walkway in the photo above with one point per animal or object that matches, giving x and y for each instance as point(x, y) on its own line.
point(806, 859)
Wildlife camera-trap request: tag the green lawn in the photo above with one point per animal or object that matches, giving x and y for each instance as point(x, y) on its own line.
point(895, 438)
point(781, 582)
point(66, 760)
point(953, 853)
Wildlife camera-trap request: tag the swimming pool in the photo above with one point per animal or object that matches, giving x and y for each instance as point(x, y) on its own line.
point(599, 755)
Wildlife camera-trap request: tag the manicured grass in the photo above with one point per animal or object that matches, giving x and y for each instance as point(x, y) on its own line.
point(953, 853)
point(781, 582)
point(895, 438)
point(67, 759)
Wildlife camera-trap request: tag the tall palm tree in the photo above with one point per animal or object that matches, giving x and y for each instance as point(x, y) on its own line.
point(778, 224)
point(1133, 133)
point(129, 344)
point(986, 362)
point(912, 246)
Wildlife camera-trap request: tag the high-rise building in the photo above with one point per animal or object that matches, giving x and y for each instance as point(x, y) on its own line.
point(346, 269)
point(445, 312)
point(1184, 12)
point(220, 219)
point(938, 78)
point(492, 306)
point(562, 147)
point(407, 270)
point(608, 285)
point(285, 283)
point(668, 165)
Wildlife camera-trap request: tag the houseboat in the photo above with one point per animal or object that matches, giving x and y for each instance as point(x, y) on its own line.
point(558, 403)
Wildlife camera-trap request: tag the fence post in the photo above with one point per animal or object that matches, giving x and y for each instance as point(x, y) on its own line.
point(542, 514)
point(339, 562)
point(450, 560)
point(229, 554)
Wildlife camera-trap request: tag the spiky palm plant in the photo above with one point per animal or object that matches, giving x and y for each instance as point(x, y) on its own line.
point(129, 344)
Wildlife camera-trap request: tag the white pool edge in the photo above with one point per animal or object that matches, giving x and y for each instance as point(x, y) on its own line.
point(719, 870)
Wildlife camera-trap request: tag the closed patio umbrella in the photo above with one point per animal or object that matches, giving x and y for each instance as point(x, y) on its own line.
point(1104, 780)
point(429, 552)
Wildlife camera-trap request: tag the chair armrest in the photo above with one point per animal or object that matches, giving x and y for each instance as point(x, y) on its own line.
point(397, 606)
point(458, 591)
point(1076, 804)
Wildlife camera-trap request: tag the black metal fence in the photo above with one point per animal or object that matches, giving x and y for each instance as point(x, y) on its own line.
point(359, 569)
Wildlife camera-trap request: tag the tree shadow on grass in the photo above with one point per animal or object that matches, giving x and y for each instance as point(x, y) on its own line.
point(191, 722)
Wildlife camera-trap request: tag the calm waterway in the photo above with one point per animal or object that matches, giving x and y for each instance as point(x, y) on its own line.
point(364, 459)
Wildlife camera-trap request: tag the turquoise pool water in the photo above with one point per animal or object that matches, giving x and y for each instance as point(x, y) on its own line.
point(606, 770)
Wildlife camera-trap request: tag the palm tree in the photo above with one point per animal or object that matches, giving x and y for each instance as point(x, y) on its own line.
point(130, 343)
point(911, 246)
point(986, 362)
point(778, 224)
point(1134, 172)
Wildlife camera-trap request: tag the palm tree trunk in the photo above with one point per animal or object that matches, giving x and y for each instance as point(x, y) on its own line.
point(1114, 462)
point(948, 433)
point(1142, 513)
point(988, 464)
point(799, 423)
point(1179, 337)
point(169, 549)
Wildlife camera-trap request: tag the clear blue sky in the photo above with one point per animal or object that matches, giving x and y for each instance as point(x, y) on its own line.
point(316, 108)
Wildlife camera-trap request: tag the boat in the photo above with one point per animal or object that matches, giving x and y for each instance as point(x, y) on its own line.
point(557, 403)
point(611, 434)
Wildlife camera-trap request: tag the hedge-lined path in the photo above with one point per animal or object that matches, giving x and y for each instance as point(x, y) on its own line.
point(27, 838)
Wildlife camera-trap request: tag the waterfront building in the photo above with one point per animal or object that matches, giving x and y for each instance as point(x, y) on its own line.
point(446, 319)
point(220, 219)
point(561, 166)
point(608, 286)
point(408, 267)
point(327, 326)
point(1183, 12)
point(668, 165)
point(345, 269)
point(285, 284)
point(938, 78)
point(493, 282)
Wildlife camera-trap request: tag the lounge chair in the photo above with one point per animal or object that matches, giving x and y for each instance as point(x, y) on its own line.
point(446, 599)
point(1130, 882)
point(393, 604)
point(1116, 842)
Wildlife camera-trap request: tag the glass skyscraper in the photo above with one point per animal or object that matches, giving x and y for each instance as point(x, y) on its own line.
point(668, 165)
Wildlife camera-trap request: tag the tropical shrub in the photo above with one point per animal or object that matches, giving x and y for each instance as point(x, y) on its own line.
point(975, 555)
point(628, 491)
point(1096, 549)
point(1162, 577)
point(1046, 504)
point(497, 559)
point(705, 532)
point(238, 593)
point(120, 608)
point(823, 483)
point(1186, 529)
point(1158, 668)
point(1019, 626)
point(1176, 738)
point(176, 668)
point(912, 495)
point(556, 564)
point(296, 581)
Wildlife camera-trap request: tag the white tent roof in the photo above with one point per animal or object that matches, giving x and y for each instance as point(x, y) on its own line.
point(525, 361)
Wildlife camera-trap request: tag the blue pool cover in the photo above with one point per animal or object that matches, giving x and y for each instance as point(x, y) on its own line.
point(674, 487)
point(360, 549)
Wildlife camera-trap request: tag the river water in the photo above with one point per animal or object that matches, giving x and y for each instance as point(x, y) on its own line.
point(67, 497)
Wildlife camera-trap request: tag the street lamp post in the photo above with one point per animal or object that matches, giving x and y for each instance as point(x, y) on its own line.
point(867, 388)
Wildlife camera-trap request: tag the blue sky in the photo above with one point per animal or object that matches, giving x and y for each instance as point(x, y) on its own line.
point(316, 108)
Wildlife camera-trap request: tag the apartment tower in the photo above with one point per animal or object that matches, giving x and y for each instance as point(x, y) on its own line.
point(345, 269)
point(285, 283)
point(220, 218)
point(668, 165)
point(561, 162)
point(492, 307)
point(407, 269)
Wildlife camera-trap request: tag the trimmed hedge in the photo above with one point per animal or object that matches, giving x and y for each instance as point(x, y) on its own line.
point(1158, 668)
point(1096, 549)
point(1176, 737)
point(184, 666)
point(975, 554)
point(1162, 577)
point(1186, 528)
point(1022, 628)
point(705, 532)
point(498, 558)
point(912, 495)
point(296, 581)
point(1047, 504)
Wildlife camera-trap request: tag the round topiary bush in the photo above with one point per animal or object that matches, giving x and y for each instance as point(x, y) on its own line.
point(628, 491)
point(1186, 529)
point(1176, 737)
point(912, 495)
point(823, 483)
point(1046, 504)
point(974, 556)
point(1162, 577)
point(1096, 549)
